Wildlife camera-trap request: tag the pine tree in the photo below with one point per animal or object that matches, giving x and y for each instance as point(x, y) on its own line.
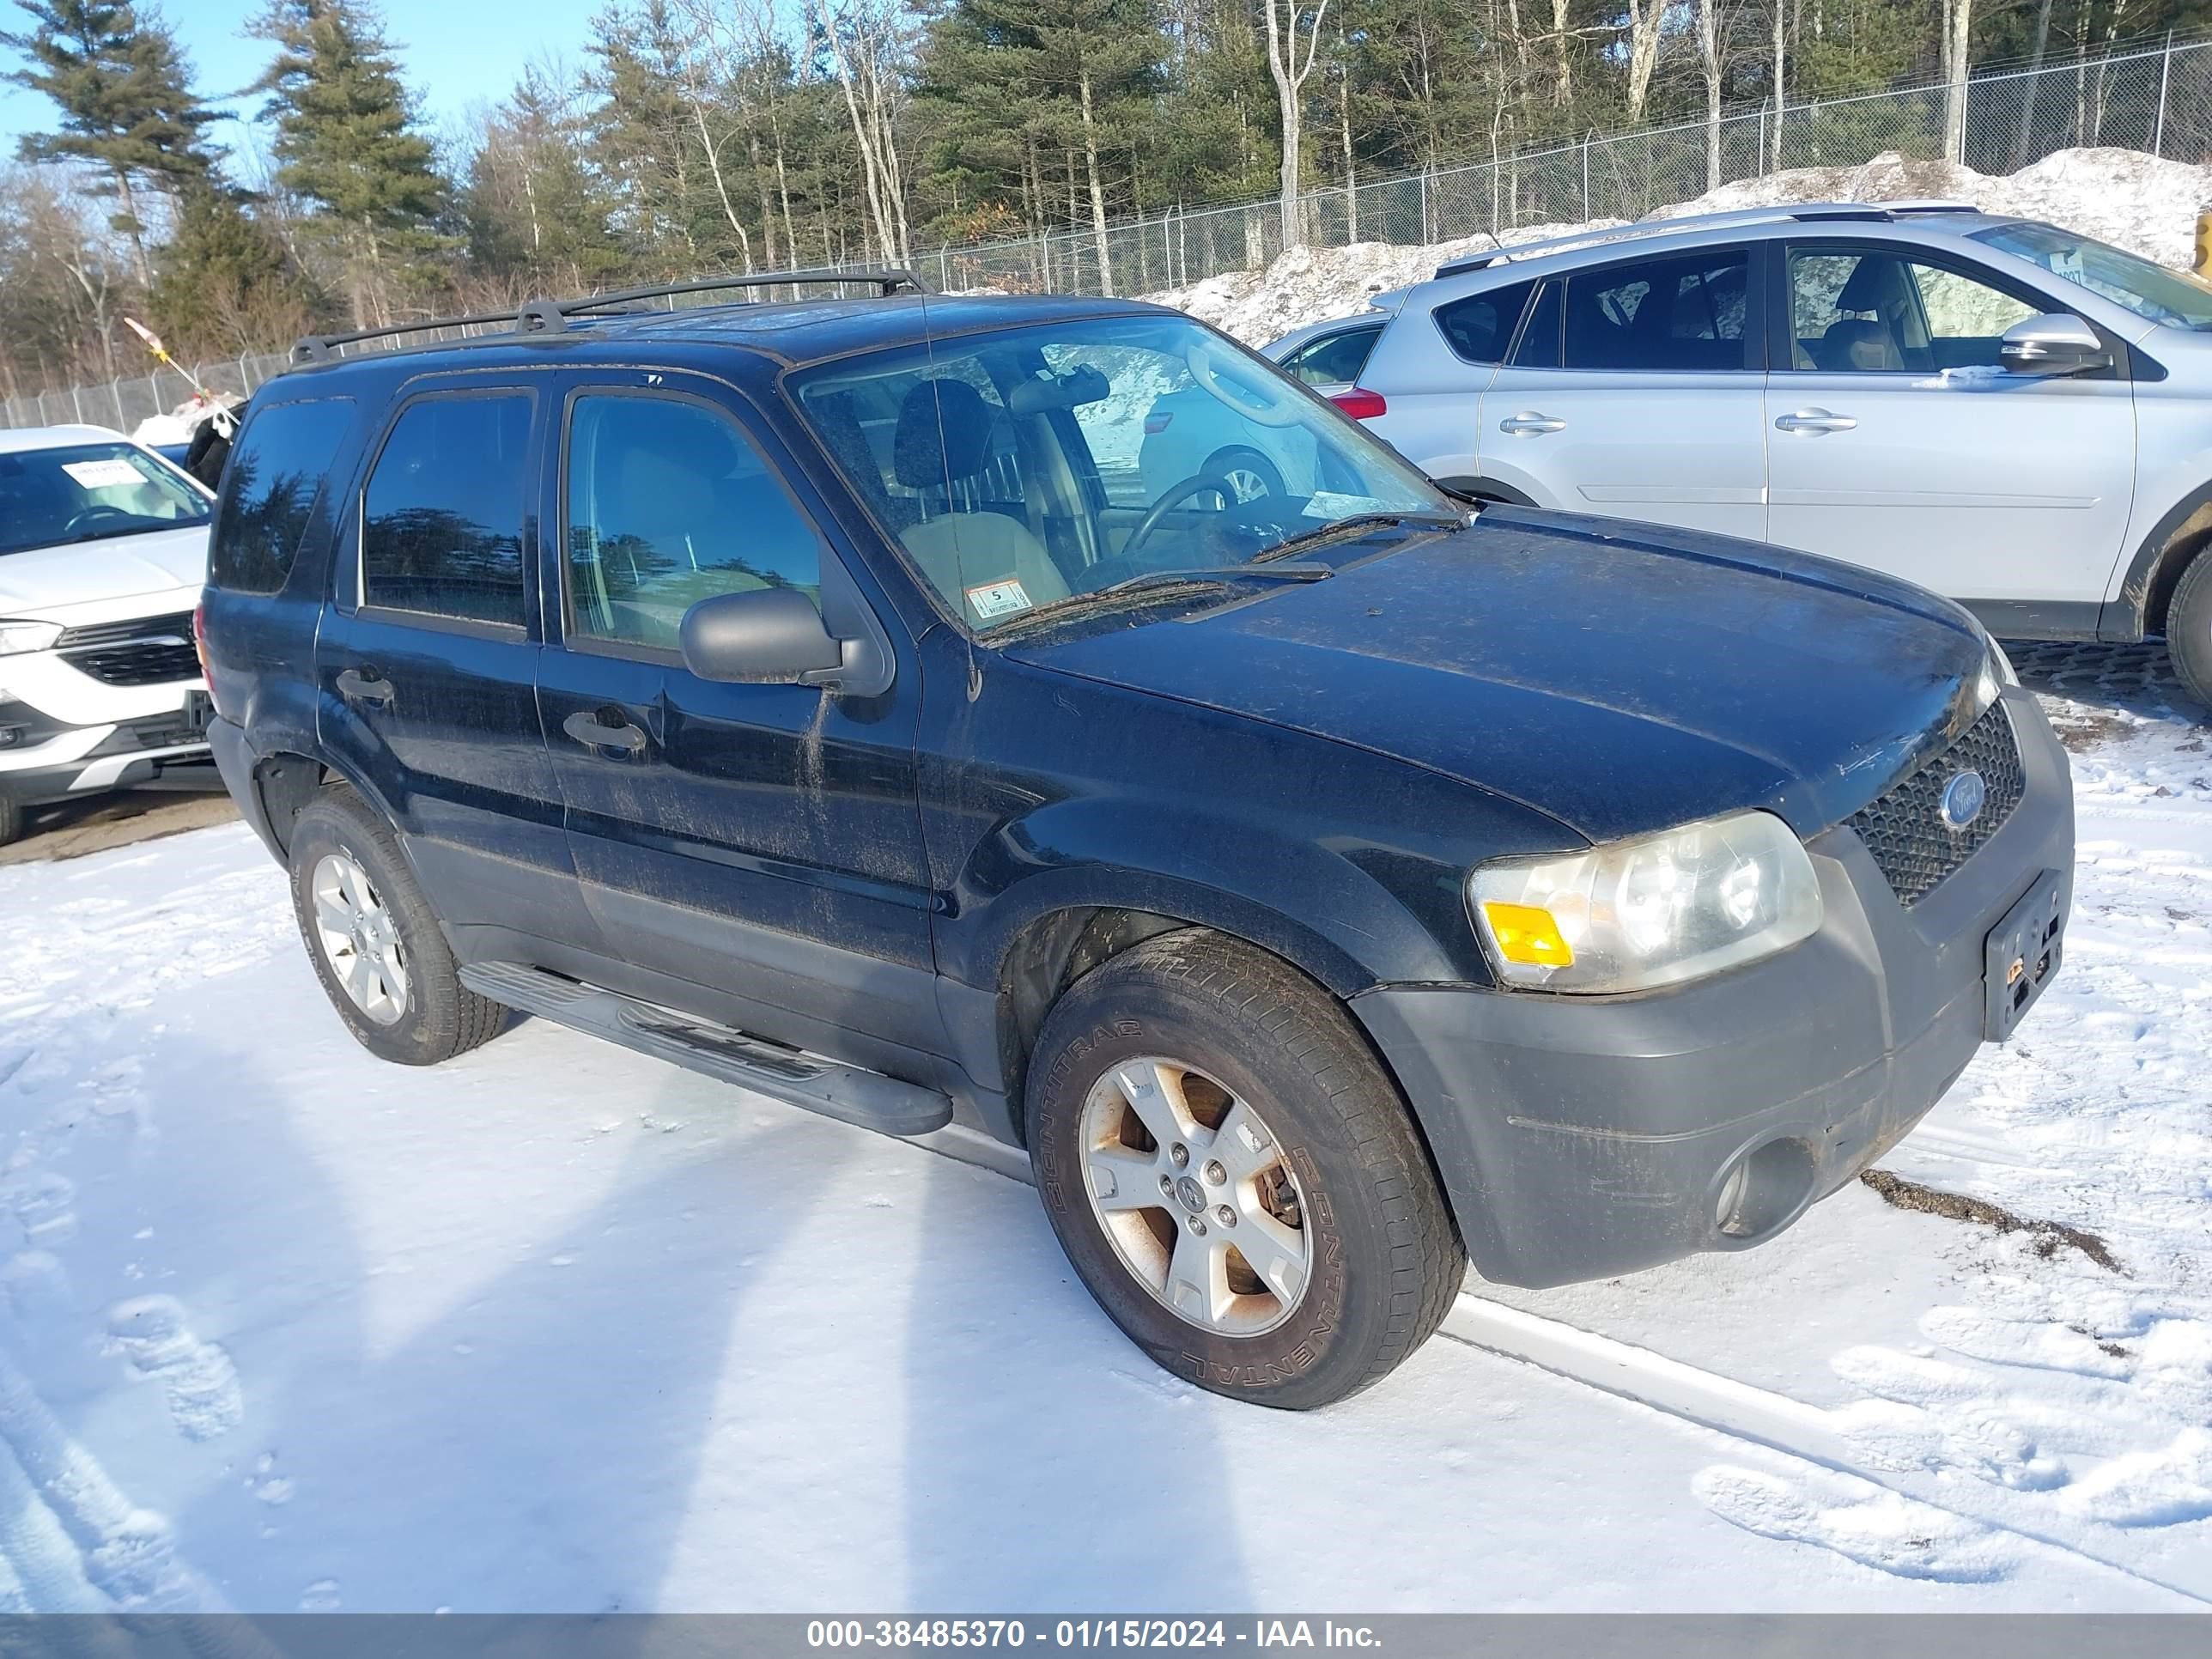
point(534, 210)
point(124, 92)
point(222, 282)
point(347, 142)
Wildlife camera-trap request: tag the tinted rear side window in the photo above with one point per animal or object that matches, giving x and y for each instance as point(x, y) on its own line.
point(1480, 327)
point(1682, 313)
point(1539, 340)
point(270, 487)
point(441, 519)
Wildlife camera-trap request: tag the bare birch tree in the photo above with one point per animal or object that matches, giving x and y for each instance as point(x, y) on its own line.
point(1284, 26)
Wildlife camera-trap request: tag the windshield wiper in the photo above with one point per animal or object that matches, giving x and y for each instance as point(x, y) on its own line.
point(1358, 521)
point(1133, 589)
point(1281, 572)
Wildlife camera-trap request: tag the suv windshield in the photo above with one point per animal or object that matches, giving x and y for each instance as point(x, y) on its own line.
point(1025, 468)
point(2151, 291)
point(87, 493)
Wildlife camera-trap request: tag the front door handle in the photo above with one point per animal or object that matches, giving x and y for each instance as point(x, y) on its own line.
point(1528, 424)
point(603, 728)
point(365, 685)
point(1813, 420)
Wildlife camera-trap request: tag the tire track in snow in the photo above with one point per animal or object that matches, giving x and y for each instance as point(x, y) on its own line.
point(1761, 1416)
point(1854, 1523)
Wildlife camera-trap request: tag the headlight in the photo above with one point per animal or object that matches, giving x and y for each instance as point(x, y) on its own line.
point(1655, 911)
point(16, 637)
point(1997, 674)
point(2003, 664)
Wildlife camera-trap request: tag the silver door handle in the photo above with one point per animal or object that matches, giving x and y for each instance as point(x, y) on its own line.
point(1527, 424)
point(1814, 420)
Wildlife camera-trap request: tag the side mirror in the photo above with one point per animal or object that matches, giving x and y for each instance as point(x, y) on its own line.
point(764, 635)
point(2056, 344)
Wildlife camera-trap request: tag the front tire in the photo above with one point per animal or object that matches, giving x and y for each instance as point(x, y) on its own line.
point(1235, 1177)
point(375, 942)
point(2188, 628)
point(12, 817)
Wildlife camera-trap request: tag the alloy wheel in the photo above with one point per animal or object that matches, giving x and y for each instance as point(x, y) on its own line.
point(1196, 1197)
point(359, 937)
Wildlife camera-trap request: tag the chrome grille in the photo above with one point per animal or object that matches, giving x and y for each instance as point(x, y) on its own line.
point(1904, 828)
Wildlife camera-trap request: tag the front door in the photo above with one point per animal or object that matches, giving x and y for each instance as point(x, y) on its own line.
point(1896, 441)
point(426, 663)
point(1633, 392)
point(762, 841)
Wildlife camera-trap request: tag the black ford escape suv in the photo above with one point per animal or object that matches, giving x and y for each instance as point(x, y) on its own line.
point(1325, 887)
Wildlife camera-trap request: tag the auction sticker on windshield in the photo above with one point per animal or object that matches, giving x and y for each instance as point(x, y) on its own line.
point(995, 600)
point(103, 475)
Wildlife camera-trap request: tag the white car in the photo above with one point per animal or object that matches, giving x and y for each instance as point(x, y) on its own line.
point(103, 551)
point(1189, 432)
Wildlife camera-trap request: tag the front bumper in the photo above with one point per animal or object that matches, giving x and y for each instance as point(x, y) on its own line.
point(1583, 1137)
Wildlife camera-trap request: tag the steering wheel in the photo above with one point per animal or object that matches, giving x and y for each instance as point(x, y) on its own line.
point(1197, 484)
point(85, 517)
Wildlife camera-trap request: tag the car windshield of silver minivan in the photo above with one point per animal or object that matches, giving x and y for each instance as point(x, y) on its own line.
point(2151, 291)
point(1029, 467)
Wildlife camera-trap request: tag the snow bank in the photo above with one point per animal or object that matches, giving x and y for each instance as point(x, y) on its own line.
point(2134, 201)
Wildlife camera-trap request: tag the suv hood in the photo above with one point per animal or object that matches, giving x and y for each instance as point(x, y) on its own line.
point(1620, 678)
point(48, 580)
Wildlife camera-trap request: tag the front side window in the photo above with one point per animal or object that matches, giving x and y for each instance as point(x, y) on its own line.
point(1870, 311)
point(669, 502)
point(90, 493)
point(2174, 298)
point(270, 486)
point(1682, 312)
point(442, 516)
point(1334, 359)
point(1033, 466)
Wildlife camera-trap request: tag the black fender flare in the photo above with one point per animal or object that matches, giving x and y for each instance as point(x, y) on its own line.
point(2156, 567)
point(1492, 489)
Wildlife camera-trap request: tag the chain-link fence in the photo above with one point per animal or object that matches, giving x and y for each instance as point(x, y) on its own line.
point(2158, 99)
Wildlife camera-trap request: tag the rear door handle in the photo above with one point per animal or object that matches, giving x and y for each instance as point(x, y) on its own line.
point(1527, 424)
point(365, 685)
point(1813, 420)
point(603, 728)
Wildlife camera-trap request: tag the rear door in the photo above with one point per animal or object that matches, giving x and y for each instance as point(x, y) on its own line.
point(1632, 390)
point(763, 841)
point(1896, 441)
point(426, 662)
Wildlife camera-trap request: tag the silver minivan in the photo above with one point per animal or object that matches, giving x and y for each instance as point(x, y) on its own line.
point(2007, 412)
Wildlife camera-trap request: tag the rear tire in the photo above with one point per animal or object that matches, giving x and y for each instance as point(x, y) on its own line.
point(1292, 1266)
point(2189, 629)
point(374, 941)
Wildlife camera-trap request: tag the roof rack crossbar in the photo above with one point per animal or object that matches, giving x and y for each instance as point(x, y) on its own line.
point(551, 316)
point(1806, 212)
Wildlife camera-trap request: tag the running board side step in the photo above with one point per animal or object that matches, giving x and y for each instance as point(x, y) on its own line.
point(849, 1093)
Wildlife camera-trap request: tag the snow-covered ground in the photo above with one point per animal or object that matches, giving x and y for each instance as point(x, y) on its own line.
point(2142, 202)
point(556, 1327)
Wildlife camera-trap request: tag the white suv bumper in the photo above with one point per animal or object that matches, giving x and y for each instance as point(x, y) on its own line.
point(118, 697)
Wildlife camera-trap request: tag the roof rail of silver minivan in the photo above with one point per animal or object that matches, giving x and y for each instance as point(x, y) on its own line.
point(1803, 212)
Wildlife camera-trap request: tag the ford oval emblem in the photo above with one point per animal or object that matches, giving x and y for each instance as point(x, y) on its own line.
point(1963, 799)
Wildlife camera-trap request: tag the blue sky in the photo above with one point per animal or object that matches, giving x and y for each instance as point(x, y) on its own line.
point(454, 53)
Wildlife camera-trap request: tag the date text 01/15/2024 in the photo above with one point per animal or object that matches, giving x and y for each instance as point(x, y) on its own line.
point(1086, 1633)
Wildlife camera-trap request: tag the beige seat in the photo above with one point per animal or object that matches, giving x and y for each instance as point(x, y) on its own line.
point(944, 438)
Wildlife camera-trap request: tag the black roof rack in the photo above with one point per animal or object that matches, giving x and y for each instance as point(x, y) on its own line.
point(552, 316)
